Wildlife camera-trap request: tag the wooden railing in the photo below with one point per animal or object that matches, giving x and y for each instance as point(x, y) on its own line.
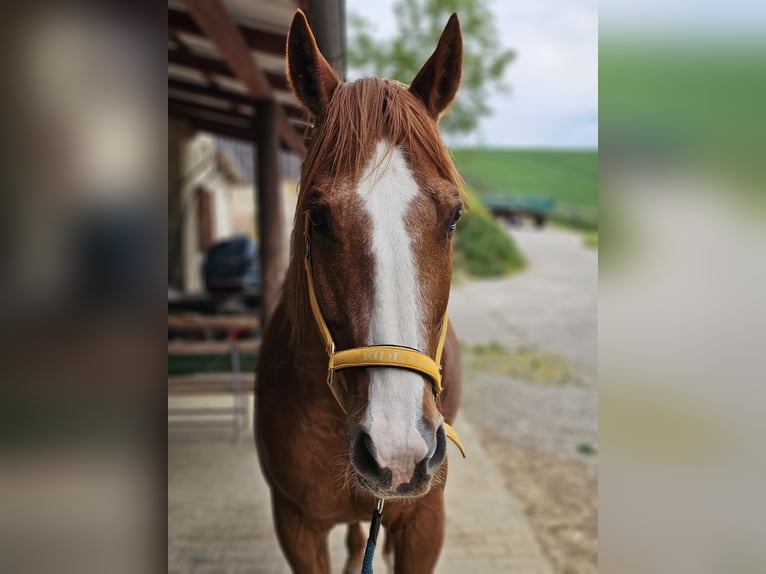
point(207, 357)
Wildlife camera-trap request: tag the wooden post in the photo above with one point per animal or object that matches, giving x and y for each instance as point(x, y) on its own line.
point(178, 137)
point(328, 22)
point(270, 210)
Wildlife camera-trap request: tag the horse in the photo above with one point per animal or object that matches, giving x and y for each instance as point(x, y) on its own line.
point(366, 291)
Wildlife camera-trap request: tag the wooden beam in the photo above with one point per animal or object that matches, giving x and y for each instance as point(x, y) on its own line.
point(270, 209)
point(175, 104)
point(208, 383)
point(211, 121)
point(226, 130)
point(259, 40)
point(210, 92)
point(227, 96)
point(219, 67)
point(184, 49)
point(194, 110)
point(185, 108)
point(213, 127)
point(218, 124)
point(194, 322)
point(212, 18)
point(231, 130)
point(212, 347)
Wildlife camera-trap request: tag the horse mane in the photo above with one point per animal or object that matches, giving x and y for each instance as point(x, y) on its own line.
point(359, 115)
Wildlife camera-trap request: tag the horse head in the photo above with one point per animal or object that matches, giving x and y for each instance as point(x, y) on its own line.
point(381, 198)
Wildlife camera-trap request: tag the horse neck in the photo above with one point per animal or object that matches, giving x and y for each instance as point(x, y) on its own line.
point(307, 352)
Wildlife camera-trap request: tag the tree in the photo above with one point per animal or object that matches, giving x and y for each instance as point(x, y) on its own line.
point(419, 24)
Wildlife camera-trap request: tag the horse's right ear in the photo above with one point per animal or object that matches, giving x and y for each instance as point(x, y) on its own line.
point(313, 80)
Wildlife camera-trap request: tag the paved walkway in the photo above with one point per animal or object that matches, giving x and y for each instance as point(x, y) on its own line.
point(219, 515)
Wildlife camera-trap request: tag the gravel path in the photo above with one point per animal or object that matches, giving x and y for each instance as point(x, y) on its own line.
point(552, 306)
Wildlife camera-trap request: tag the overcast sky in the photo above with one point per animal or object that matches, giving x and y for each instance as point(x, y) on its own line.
point(554, 79)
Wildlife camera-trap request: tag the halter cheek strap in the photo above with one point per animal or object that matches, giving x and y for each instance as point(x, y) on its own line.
point(373, 356)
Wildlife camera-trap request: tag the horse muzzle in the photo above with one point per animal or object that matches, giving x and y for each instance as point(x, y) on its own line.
point(403, 471)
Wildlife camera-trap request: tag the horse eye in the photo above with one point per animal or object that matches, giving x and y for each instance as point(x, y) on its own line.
point(319, 216)
point(455, 218)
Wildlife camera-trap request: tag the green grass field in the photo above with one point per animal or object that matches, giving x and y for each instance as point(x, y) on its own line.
point(693, 105)
point(569, 176)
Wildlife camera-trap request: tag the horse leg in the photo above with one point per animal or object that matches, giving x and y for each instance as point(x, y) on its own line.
point(304, 544)
point(418, 536)
point(355, 544)
point(388, 552)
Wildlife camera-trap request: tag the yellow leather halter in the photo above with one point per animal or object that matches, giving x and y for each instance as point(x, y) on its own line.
point(373, 356)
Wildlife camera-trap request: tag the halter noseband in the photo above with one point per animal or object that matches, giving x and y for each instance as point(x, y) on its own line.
point(375, 355)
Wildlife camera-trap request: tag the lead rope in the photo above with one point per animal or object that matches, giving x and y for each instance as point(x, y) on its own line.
point(372, 539)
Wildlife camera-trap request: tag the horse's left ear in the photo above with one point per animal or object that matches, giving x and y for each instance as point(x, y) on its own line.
point(313, 80)
point(437, 81)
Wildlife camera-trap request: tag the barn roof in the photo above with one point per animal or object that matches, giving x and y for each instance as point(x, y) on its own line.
point(223, 55)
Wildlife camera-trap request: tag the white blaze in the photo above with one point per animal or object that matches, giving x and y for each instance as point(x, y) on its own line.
point(387, 188)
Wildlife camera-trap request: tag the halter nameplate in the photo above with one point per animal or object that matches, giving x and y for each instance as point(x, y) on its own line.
point(390, 356)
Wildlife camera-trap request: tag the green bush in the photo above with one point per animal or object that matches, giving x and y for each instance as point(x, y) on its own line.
point(482, 247)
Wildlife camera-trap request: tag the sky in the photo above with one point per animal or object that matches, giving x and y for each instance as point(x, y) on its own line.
point(553, 102)
point(717, 19)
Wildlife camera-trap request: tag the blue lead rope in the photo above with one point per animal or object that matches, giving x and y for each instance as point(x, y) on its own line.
point(369, 551)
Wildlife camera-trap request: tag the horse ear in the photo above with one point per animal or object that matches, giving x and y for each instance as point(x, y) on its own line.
point(437, 81)
point(313, 80)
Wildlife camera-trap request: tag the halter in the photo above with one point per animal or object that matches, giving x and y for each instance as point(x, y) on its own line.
point(375, 355)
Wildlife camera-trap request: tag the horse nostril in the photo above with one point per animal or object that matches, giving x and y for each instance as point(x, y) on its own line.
point(363, 454)
point(369, 445)
point(440, 451)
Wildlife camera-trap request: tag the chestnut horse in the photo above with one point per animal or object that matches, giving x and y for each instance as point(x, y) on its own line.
point(380, 199)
